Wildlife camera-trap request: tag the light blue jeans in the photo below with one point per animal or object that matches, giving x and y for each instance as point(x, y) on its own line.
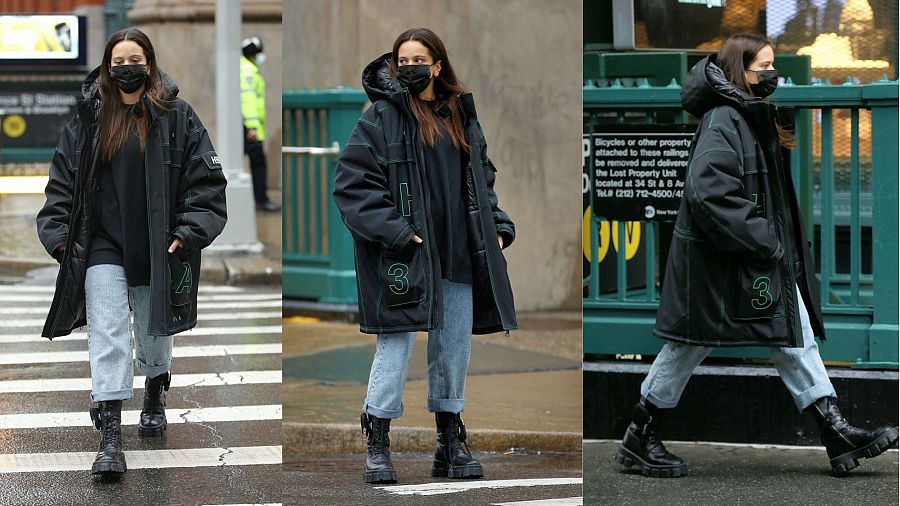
point(110, 340)
point(449, 349)
point(801, 369)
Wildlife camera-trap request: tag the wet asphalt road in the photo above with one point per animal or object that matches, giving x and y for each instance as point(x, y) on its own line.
point(337, 480)
point(170, 475)
point(740, 475)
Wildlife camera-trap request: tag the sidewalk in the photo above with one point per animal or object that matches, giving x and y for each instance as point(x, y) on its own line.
point(22, 252)
point(739, 474)
point(523, 391)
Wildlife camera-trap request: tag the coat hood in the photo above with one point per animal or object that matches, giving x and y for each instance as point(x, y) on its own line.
point(706, 87)
point(91, 89)
point(377, 79)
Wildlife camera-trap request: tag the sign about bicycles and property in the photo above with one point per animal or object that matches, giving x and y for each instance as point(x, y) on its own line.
point(637, 172)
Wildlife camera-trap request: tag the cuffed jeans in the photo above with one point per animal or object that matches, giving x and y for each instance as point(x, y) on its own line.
point(449, 349)
point(110, 341)
point(801, 369)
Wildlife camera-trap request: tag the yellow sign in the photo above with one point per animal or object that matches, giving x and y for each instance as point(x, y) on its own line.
point(608, 232)
point(13, 126)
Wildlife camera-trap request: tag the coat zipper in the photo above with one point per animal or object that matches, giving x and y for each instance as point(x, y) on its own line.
point(149, 221)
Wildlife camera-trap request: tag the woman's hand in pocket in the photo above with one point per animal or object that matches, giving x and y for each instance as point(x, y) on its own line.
point(175, 244)
point(416, 239)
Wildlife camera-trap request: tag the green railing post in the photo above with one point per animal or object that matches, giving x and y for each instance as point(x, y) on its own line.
point(884, 332)
point(342, 116)
point(318, 259)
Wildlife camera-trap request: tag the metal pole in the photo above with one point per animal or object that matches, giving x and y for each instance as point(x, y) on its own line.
point(240, 232)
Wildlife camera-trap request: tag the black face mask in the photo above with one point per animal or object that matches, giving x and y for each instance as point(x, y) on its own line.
point(415, 78)
point(129, 78)
point(768, 81)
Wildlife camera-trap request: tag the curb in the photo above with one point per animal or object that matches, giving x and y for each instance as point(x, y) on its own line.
point(226, 270)
point(19, 267)
point(333, 438)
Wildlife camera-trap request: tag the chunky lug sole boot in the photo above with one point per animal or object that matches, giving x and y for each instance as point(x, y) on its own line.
point(845, 443)
point(379, 468)
point(452, 458)
point(153, 415)
point(642, 447)
point(107, 419)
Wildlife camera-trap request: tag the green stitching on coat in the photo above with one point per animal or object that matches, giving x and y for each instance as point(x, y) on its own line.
point(399, 272)
point(761, 284)
point(687, 235)
point(185, 284)
point(712, 123)
point(709, 213)
point(374, 125)
point(405, 200)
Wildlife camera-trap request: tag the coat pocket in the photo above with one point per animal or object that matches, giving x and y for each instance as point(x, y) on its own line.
point(758, 287)
point(403, 277)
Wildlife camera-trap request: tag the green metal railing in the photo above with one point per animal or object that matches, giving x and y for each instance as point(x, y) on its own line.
point(861, 309)
point(317, 250)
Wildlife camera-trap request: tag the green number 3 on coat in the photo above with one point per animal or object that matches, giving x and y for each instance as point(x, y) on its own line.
point(761, 285)
point(401, 282)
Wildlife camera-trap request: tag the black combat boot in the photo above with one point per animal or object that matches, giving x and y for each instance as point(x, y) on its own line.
point(107, 418)
point(642, 447)
point(379, 468)
point(153, 416)
point(451, 455)
point(845, 443)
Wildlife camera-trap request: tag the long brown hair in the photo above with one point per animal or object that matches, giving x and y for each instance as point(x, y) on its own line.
point(446, 87)
point(737, 53)
point(115, 120)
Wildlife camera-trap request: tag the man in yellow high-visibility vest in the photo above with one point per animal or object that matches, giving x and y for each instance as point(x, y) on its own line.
point(253, 109)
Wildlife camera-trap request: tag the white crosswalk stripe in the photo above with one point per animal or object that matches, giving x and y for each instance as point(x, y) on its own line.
point(204, 288)
point(178, 381)
point(230, 401)
point(565, 501)
point(5, 297)
point(144, 459)
point(39, 322)
point(441, 488)
point(52, 357)
point(202, 306)
point(173, 416)
point(197, 331)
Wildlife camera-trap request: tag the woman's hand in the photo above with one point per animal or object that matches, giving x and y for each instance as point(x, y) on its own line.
point(175, 244)
point(500, 240)
point(416, 239)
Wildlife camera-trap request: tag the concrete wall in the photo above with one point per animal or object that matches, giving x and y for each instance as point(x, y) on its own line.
point(522, 59)
point(183, 35)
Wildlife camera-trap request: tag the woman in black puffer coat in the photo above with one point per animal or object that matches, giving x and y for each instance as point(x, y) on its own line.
point(135, 192)
point(414, 185)
point(739, 270)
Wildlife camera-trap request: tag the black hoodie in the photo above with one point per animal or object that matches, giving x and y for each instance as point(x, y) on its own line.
point(380, 192)
point(738, 248)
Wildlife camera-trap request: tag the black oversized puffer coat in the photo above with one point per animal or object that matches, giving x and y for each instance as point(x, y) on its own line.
point(185, 199)
point(738, 247)
point(380, 190)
